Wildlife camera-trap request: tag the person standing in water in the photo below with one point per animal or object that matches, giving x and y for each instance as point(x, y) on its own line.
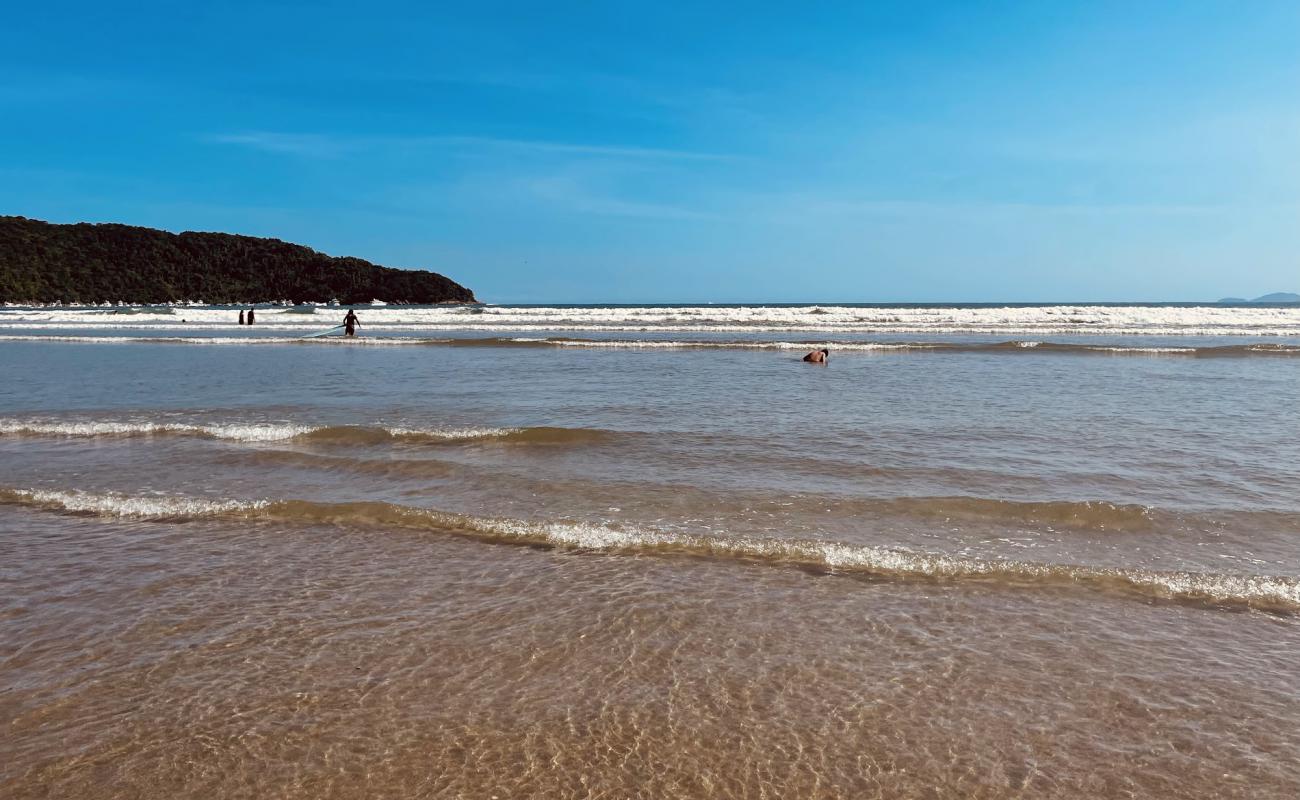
point(350, 323)
point(818, 356)
point(241, 316)
point(250, 316)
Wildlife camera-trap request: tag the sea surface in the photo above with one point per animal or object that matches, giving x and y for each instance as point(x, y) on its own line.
point(645, 551)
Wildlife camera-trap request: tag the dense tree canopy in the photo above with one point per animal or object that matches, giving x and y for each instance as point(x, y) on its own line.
point(42, 262)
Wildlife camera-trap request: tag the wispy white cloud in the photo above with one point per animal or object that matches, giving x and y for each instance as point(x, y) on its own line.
point(811, 209)
point(832, 207)
point(306, 145)
point(318, 145)
point(542, 146)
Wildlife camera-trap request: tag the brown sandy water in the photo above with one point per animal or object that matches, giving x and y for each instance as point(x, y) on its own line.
point(290, 571)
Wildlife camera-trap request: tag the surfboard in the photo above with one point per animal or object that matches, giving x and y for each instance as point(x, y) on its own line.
point(335, 329)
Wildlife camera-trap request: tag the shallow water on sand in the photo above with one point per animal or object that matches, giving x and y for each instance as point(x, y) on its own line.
point(523, 568)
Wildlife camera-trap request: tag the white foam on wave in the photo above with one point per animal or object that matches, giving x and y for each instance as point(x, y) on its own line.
point(1273, 348)
point(371, 341)
point(454, 434)
point(1256, 590)
point(255, 432)
point(1152, 350)
point(118, 505)
point(233, 431)
point(1074, 319)
point(227, 340)
point(242, 432)
point(1252, 590)
point(655, 344)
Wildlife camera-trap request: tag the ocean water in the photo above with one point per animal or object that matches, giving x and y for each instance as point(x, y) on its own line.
point(985, 551)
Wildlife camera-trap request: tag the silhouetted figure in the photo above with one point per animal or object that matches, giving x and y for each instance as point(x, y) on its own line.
point(251, 316)
point(241, 316)
point(350, 323)
point(818, 356)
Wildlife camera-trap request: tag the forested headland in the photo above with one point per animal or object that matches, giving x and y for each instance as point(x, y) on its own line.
point(42, 263)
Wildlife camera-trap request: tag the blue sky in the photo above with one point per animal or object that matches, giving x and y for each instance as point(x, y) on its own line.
point(628, 152)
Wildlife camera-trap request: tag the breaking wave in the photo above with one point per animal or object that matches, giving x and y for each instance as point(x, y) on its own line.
point(849, 346)
point(1273, 593)
point(1010, 347)
point(160, 507)
point(1034, 320)
point(305, 339)
point(281, 432)
point(253, 432)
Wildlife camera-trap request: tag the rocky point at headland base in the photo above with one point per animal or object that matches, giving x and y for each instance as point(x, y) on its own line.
point(43, 263)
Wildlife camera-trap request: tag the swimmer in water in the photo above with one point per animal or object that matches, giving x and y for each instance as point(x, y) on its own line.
point(350, 323)
point(818, 356)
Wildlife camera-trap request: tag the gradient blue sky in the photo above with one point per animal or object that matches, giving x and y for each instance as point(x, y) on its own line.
point(625, 152)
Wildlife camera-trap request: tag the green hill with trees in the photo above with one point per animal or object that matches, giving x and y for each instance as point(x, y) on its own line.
point(41, 262)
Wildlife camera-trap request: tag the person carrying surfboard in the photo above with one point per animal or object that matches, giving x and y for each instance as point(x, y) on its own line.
point(350, 323)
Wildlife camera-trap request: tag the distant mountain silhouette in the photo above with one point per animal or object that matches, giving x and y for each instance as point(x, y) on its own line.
point(42, 262)
point(1275, 297)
